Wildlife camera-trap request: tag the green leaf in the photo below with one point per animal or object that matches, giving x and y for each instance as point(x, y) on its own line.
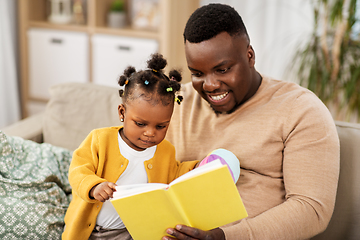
point(117, 6)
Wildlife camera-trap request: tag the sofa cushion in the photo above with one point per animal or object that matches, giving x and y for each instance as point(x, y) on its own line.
point(34, 189)
point(75, 109)
point(345, 222)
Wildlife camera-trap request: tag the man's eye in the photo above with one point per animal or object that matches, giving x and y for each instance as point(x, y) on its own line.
point(196, 74)
point(223, 70)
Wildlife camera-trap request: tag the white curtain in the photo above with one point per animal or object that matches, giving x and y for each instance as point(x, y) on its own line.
point(9, 94)
point(276, 29)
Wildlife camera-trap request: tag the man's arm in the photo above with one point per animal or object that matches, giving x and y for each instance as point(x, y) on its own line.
point(310, 175)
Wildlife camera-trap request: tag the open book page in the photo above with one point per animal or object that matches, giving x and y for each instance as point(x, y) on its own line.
point(209, 200)
point(148, 215)
point(197, 171)
point(132, 189)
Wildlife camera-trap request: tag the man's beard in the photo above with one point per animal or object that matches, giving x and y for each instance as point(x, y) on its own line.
point(218, 112)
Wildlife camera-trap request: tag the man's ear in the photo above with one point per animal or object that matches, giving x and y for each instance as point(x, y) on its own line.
point(251, 56)
point(121, 112)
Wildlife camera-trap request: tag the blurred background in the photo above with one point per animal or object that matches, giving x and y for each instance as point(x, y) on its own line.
point(45, 42)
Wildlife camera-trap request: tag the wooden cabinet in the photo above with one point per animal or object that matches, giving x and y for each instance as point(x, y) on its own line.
point(112, 54)
point(33, 14)
point(56, 57)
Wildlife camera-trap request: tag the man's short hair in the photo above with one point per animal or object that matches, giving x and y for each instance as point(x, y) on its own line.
point(210, 20)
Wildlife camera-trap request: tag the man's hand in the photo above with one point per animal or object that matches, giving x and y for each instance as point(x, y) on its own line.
point(182, 232)
point(103, 191)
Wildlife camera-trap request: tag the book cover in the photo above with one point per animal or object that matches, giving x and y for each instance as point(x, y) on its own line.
point(204, 198)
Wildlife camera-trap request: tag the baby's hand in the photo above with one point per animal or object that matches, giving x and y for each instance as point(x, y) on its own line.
point(103, 191)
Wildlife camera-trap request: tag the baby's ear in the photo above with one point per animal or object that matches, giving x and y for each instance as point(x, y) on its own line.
point(121, 112)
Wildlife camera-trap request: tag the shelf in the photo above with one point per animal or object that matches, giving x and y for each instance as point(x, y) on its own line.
point(67, 27)
point(127, 32)
point(34, 14)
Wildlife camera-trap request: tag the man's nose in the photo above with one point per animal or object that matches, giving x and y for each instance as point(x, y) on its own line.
point(211, 83)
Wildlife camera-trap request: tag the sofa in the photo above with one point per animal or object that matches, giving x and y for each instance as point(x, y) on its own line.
point(76, 108)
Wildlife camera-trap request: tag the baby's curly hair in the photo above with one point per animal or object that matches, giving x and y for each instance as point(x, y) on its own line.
point(156, 86)
point(210, 20)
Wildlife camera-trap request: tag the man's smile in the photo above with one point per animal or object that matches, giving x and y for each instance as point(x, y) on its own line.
point(218, 97)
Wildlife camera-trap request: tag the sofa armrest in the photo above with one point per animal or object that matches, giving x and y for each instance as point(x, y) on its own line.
point(345, 221)
point(29, 128)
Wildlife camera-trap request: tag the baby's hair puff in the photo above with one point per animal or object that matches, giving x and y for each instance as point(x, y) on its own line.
point(151, 83)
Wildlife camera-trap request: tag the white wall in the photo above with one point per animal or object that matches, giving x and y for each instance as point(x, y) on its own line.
point(276, 28)
point(9, 95)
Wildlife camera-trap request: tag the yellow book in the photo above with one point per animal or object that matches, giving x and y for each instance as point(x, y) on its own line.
point(204, 198)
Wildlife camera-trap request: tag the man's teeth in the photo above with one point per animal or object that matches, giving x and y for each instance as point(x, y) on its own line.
point(219, 97)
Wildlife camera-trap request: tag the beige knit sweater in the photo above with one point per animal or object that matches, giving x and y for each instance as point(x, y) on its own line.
point(288, 148)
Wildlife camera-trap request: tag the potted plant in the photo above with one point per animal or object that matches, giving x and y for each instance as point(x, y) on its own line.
point(329, 64)
point(117, 14)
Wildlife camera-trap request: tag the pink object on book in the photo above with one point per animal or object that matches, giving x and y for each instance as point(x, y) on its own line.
point(226, 158)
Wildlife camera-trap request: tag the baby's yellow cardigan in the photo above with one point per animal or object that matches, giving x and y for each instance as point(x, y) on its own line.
point(98, 159)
